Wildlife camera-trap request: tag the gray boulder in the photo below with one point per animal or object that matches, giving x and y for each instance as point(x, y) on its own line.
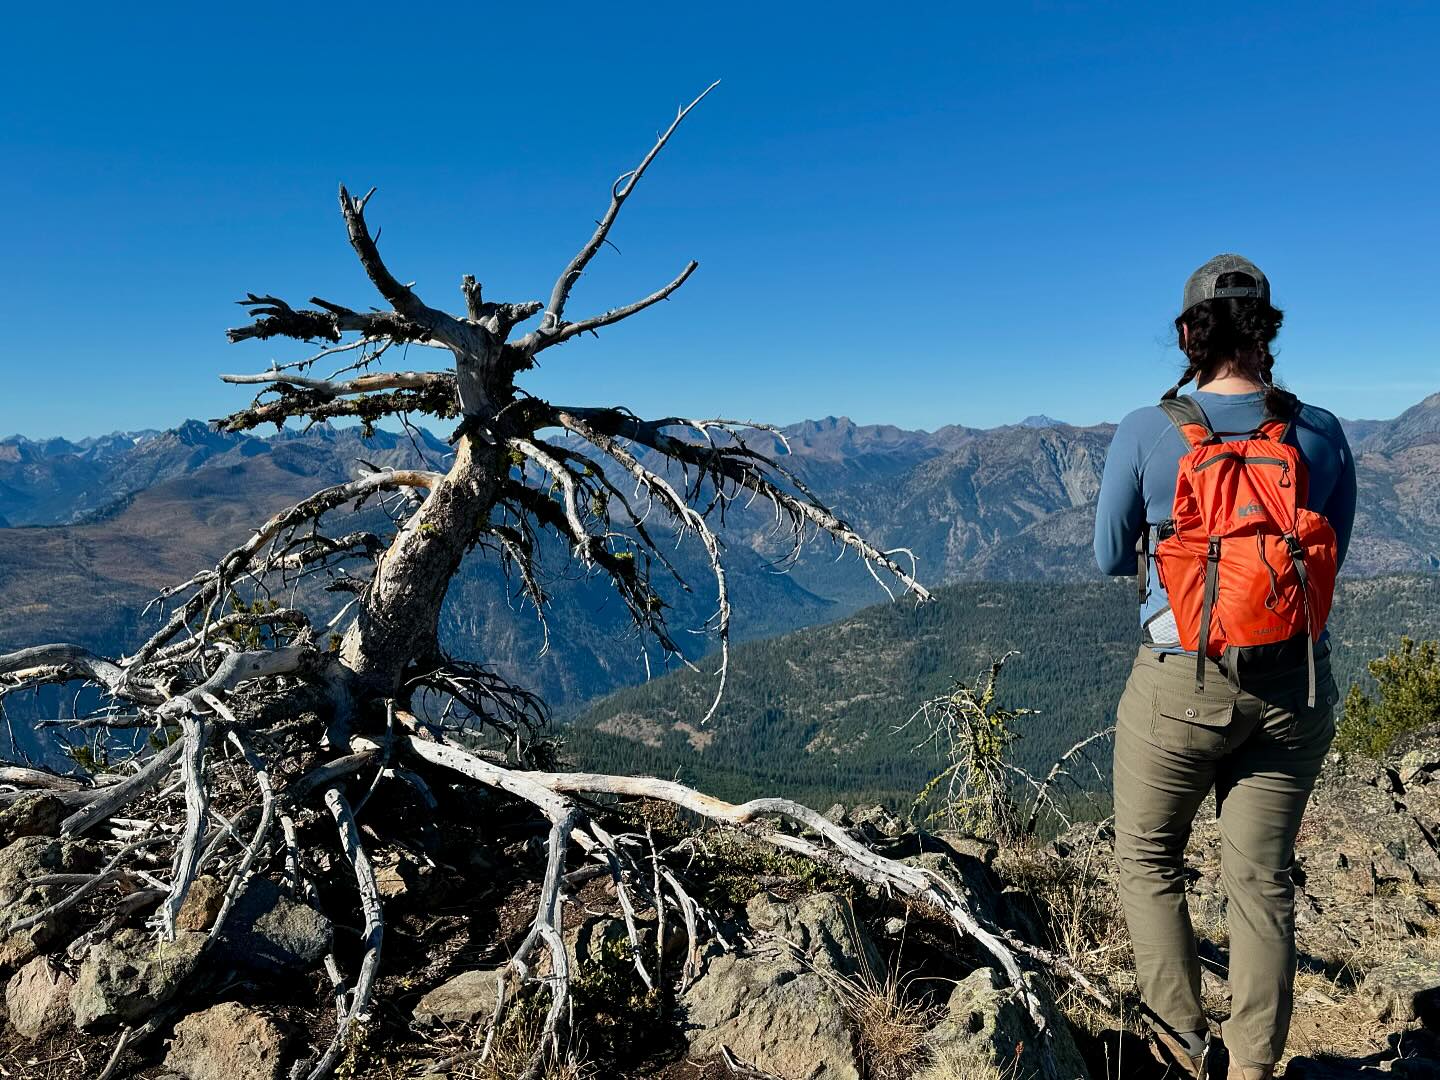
point(779, 1006)
point(988, 1031)
point(965, 870)
point(125, 979)
point(1403, 990)
point(596, 940)
point(822, 928)
point(465, 999)
point(875, 821)
point(269, 931)
point(37, 998)
point(20, 863)
point(227, 1042)
point(36, 814)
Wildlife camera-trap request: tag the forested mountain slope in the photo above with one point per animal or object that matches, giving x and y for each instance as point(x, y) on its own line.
point(817, 711)
point(127, 514)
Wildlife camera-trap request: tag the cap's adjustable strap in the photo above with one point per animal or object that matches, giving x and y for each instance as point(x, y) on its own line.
point(1212, 593)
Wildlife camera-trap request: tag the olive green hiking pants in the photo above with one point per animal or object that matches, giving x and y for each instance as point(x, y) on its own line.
point(1261, 748)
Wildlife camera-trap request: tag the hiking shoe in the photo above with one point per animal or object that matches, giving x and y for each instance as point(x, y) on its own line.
point(1171, 1052)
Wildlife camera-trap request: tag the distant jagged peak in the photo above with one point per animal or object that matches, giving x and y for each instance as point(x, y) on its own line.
point(1040, 420)
point(24, 448)
point(198, 433)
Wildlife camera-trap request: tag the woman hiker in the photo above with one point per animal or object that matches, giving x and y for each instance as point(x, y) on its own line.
point(1235, 504)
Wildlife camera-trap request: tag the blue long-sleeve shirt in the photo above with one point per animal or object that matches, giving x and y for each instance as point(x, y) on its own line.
point(1138, 486)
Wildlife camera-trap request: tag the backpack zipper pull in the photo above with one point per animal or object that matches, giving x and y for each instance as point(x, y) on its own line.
point(1285, 474)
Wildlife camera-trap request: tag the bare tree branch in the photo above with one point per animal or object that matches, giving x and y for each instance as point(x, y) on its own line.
point(275, 318)
point(566, 331)
point(369, 892)
point(619, 192)
point(400, 297)
point(742, 468)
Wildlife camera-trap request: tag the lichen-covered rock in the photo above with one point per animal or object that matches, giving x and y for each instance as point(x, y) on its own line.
point(202, 904)
point(36, 814)
point(227, 1042)
point(876, 821)
point(771, 1011)
point(778, 1006)
point(267, 930)
point(30, 856)
point(987, 1027)
point(21, 863)
point(966, 871)
point(1400, 991)
point(976, 847)
point(594, 940)
point(123, 980)
point(468, 997)
point(37, 998)
point(824, 930)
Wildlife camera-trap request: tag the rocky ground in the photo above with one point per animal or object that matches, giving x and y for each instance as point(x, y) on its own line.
point(799, 975)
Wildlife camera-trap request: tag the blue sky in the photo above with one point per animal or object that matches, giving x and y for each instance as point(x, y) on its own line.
point(908, 213)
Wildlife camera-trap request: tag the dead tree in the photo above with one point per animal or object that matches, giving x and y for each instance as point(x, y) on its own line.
point(391, 703)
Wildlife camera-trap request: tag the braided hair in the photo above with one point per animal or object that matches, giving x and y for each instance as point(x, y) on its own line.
point(1234, 332)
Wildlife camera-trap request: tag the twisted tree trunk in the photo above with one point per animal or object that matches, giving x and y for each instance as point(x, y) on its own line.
point(400, 613)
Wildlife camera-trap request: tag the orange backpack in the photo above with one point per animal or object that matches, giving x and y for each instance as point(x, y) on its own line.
point(1249, 571)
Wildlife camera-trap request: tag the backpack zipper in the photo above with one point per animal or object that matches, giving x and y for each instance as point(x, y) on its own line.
point(1284, 464)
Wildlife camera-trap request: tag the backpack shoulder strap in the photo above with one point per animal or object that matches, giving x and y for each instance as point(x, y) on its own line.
point(1278, 423)
point(1189, 419)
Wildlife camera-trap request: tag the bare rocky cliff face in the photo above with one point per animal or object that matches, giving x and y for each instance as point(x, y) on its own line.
point(792, 974)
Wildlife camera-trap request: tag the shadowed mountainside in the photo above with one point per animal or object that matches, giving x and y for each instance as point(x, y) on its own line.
point(1015, 503)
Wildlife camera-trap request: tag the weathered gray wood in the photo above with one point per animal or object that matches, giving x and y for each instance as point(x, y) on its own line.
point(112, 800)
point(374, 934)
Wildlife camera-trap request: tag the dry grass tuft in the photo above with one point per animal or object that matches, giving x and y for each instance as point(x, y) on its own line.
point(891, 1025)
point(514, 1048)
point(1082, 920)
point(962, 1061)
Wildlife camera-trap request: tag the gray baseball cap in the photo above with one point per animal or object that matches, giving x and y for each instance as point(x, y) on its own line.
point(1201, 285)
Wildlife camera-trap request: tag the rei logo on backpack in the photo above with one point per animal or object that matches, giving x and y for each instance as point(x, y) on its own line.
point(1249, 571)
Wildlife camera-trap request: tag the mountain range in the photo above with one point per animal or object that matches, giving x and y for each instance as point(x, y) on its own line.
point(95, 528)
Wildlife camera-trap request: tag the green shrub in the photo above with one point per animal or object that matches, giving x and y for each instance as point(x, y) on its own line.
point(973, 735)
point(1408, 682)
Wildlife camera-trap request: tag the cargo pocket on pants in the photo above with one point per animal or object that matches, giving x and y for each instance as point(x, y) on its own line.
point(1184, 720)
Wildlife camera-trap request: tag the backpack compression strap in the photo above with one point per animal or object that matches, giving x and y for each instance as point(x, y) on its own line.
point(1212, 593)
point(1297, 558)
